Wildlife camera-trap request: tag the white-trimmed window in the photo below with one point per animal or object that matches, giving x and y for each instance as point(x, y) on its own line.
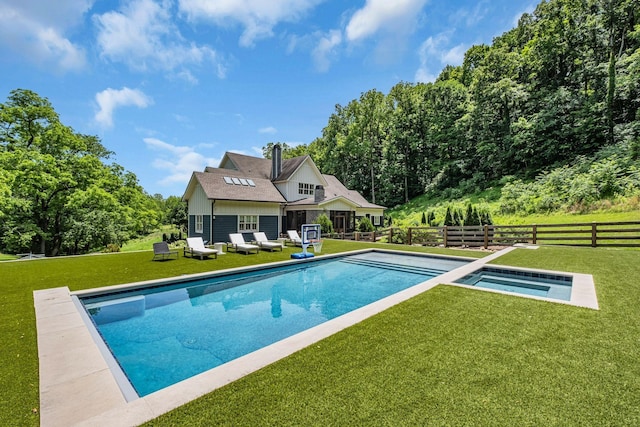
point(376, 220)
point(304, 188)
point(199, 226)
point(247, 223)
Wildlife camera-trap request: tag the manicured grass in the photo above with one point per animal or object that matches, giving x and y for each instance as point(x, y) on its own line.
point(18, 352)
point(454, 356)
point(146, 242)
point(450, 356)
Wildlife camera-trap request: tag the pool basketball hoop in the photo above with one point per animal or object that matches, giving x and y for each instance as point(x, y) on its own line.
point(310, 236)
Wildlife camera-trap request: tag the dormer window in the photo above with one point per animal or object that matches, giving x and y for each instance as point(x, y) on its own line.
point(306, 189)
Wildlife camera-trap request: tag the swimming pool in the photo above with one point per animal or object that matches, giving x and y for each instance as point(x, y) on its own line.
point(161, 335)
point(540, 284)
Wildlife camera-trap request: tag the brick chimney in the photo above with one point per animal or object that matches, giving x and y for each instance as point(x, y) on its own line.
point(318, 194)
point(276, 161)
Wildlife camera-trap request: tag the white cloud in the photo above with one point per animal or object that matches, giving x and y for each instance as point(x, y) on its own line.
point(434, 56)
point(268, 130)
point(325, 50)
point(110, 99)
point(258, 17)
point(36, 31)
point(453, 56)
point(177, 162)
point(388, 16)
point(143, 36)
point(470, 17)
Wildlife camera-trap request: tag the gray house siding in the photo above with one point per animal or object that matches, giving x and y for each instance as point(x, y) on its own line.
point(223, 225)
point(268, 224)
point(206, 227)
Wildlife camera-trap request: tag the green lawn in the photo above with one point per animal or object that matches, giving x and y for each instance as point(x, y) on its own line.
point(146, 242)
point(450, 356)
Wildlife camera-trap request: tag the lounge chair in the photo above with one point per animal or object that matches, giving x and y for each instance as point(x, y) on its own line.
point(264, 243)
point(294, 237)
point(239, 245)
point(195, 247)
point(161, 252)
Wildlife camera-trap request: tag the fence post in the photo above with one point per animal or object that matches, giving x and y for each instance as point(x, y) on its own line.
point(486, 236)
point(390, 234)
point(444, 235)
point(594, 234)
point(535, 234)
point(409, 236)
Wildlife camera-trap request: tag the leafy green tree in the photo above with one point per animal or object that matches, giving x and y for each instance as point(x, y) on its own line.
point(55, 191)
point(431, 218)
point(563, 83)
point(176, 212)
point(288, 151)
point(449, 218)
point(471, 216)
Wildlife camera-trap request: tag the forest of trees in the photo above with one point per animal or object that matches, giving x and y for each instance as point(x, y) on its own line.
point(58, 194)
point(564, 83)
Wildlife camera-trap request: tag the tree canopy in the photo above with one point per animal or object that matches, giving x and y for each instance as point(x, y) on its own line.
point(564, 82)
point(58, 194)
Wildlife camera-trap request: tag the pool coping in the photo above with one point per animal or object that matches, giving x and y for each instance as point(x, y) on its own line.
point(77, 386)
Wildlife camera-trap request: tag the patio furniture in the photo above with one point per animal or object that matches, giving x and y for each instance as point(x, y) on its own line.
point(239, 245)
point(162, 252)
point(264, 243)
point(294, 237)
point(195, 247)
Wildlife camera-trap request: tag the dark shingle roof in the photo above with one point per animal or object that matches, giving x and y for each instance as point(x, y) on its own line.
point(215, 187)
point(289, 166)
point(335, 189)
point(252, 167)
point(261, 168)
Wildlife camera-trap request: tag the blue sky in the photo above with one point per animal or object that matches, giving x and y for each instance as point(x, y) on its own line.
point(170, 85)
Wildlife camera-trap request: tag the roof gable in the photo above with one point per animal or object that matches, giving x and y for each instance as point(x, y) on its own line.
point(335, 188)
point(291, 166)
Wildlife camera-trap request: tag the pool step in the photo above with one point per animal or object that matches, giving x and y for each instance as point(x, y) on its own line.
point(396, 267)
point(473, 279)
point(515, 282)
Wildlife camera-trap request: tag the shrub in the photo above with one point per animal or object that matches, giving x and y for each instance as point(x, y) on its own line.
point(364, 225)
point(326, 226)
point(112, 247)
point(399, 236)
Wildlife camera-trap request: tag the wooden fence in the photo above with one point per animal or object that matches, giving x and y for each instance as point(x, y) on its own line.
point(594, 234)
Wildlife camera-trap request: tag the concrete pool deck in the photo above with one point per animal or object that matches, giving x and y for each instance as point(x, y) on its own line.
point(78, 387)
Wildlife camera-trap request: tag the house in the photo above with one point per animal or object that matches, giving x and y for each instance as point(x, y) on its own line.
point(246, 194)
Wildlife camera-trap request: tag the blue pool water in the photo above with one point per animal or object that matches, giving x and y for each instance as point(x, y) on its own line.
point(546, 285)
point(162, 335)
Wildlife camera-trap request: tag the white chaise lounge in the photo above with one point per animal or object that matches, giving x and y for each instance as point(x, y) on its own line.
point(294, 237)
point(264, 243)
point(195, 247)
point(239, 245)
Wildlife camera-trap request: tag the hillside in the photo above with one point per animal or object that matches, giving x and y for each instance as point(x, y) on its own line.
point(603, 187)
